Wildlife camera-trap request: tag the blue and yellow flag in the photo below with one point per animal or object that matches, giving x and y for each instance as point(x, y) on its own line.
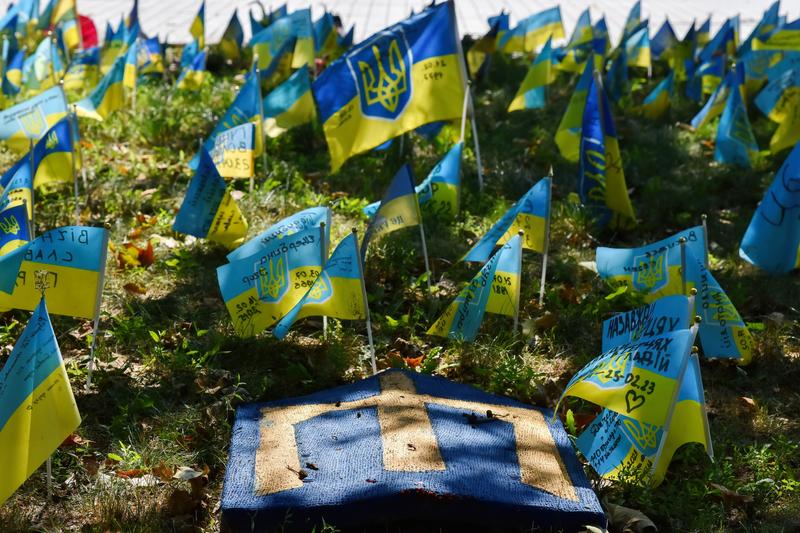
point(189, 52)
point(37, 408)
point(530, 214)
point(784, 38)
point(617, 81)
point(53, 156)
point(532, 92)
point(735, 140)
point(231, 42)
point(657, 102)
point(16, 185)
point(108, 96)
point(15, 227)
point(780, 101)
point(246, 107)
point(260, 289)
point(602, 180)
point(405, 76)
point(84, 69)
point(716, 103)
point(198, 27)
point(639, 380)
point(568, 135)
point(723, 43)
point(462, 318)
point(772, 239)
point(233, 152)
point(703, 35)
point(637, 49)
point(506, 284)
point(325, 35)
point(65, 14)
point(307, 218)
point(532, 32)
point(154, 58)
point(112, 48)
point(633, 21)
point(289, 104)
point(579, 47)
point(131, 65)
point(601, 42)
point(274, 48)
point(399, 208)
point(75, 260)
point(440, 192)
point(338, 290)
point(706, 78)
point(663, 41)
point(42, 69)
point(192, 76)
point(12, 79)
point(208, 211)
point(30, 119)
point(665, 315)
point(655, 270)
point(482, 49)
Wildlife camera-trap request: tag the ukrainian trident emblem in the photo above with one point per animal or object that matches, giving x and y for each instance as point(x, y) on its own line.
point(382, 70)
point(651, 272)
point(273, 279)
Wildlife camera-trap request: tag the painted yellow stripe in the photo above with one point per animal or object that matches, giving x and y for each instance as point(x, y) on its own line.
point(35, 430)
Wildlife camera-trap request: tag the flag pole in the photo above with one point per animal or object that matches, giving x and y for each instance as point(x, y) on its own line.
point(261, 131)
point(682, 242)
point(98, 302)
point(546, 251)
point(519, 282)
point(704, 218)
point(40, 283)
point(464, 115)
point(73, 121)
point(50, 477)
point(475, 139)
point(324, 258)
point(428, 271)
point(366, 310)
point(33, 189)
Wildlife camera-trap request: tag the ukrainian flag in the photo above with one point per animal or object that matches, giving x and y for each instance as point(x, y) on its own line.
point(716, 103)
point(290, 104)
point(772, 239)
point(724, 42)
point(780, 101)
point(405, 76)
point(108, 96)
point(530, 214)
point(655, 367)
point(131, 65)
point(32, 118)
point(504, 294)
point(66, 14)
point(617, 77)
point(663, 41)
point(192, 76)
point(633, 21)
point(303, 32)
point(531, 94)
point(53, 156)
point(198, 28)
point(16, 185)
point(338, 290)
point(189, 52)
point(601, 41)
point(533, 32)
point(637, 48)
point(271, 45)
point(208, 211)
point(440, 192)
point(657, 102)
point(785, 38)
point(233, 151)
point(311, 217)
point(112, 48)
point(704, 32)
point(325, 35)
point(602, 181)
point(246, 107)
point(580, 44)
point(462, 318)
point(12, 80)
point(75, 259)
point(260, 289)
point(83, 70)
point(568, 135)
point(37, 408)
point(735, 140)
point(483, 47)
point(398, 209)
point(43, 68)
point(231, 43)
point(155, 59)
point(15, 229)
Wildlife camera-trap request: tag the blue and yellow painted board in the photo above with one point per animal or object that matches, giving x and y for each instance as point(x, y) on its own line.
point(403, 446)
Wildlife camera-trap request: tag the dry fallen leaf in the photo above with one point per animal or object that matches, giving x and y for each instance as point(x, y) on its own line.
point(133, 288)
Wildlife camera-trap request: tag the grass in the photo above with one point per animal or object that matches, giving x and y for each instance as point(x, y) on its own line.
point(171, 371)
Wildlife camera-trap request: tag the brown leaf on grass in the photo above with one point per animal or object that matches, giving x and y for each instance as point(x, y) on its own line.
point(180, 502)
point(91, 465)
point(624, 520)
point(127, 474)
point(75, 440)
point(730, 497)
point(546, 321)
point(133, 288)
point(707, 143)
point(163, 472)
point(749, 402)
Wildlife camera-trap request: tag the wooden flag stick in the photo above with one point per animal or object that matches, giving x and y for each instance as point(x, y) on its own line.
point(41, 284)
point(50, 478)
point(546, 251)
point(261, 130)
point(96, 323)
point(478, 162)
point(519, 283)
point(428, 270)
point(366, 310)
point(464, 113)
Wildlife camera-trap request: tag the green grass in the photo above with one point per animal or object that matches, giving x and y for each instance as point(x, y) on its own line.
point(171, 370)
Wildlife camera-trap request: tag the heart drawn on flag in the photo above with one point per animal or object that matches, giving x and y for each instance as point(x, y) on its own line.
point(633, 401)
